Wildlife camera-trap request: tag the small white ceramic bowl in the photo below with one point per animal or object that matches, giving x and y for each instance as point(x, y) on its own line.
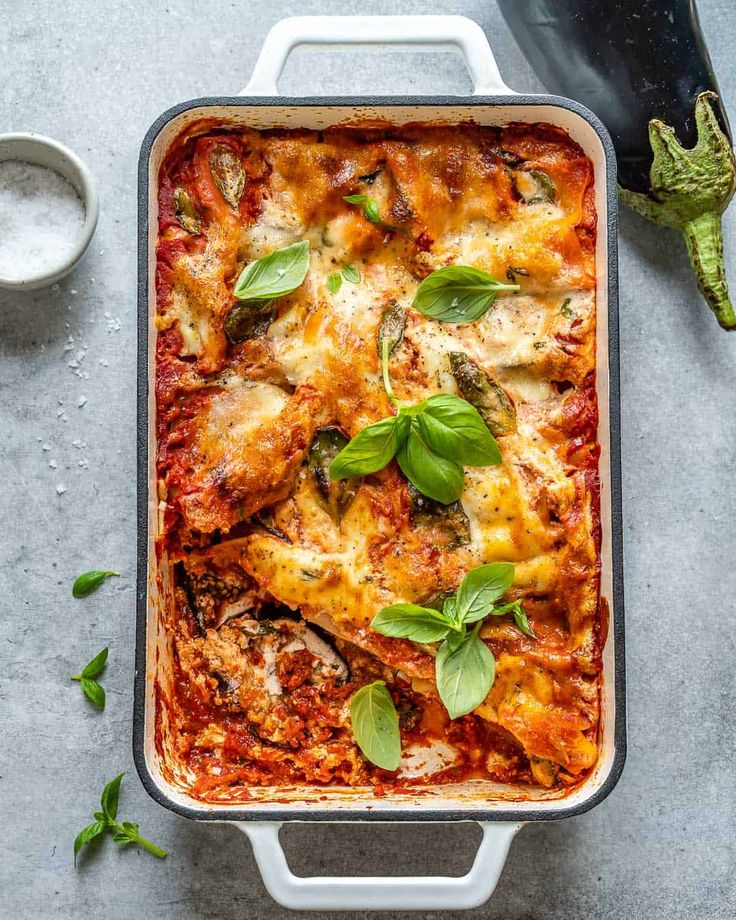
point(43, 151)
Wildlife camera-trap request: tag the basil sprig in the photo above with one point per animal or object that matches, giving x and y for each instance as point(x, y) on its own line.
point(458, 294)
point(94, 692)
point(375, 725)
point(464, 666)
point(88, 582)
point(431, 441)
point(275, 275)
point(123, 833)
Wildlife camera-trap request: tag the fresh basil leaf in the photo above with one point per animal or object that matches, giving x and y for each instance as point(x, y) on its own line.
point(458, 294)
point(454, 429)
point(122, 838)
point(350, 273)
point(449, 608)
point(409, 621)
point(481, 587)
point(391, 328)
point(371, 211)
point(94, 692)
point(110, 796)
point(275, 275)
point(369, 451)
point(464, 675)
point(86, 835)
point(90, 581)
point(376, 725)
point(522, 622)
point(97, 665)
point(334, 282)
point(456, 639)
point(520, 618)
point(436, 477)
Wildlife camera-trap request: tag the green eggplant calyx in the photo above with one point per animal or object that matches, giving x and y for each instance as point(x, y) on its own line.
point(690, 190)
point(704, 242)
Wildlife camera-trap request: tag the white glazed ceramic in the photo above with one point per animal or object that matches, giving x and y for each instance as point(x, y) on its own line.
point(43, 151)
point(500, 810)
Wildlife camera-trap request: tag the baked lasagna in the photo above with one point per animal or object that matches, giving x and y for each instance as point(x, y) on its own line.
point(277, 569)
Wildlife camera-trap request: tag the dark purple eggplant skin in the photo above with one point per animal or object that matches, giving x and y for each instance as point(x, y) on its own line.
point(629, 61)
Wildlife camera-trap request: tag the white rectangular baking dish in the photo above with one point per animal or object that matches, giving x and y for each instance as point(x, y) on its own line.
point(500, 810)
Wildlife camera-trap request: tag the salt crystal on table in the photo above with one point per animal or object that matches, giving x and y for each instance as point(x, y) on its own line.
point(60, 489)
point(41, 219)
point(81, 401)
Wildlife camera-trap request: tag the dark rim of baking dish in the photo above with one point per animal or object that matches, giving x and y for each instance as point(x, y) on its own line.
point(256, 813)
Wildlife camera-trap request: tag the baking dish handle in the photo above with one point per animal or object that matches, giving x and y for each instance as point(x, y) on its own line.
point(384, 33)
point(380, 893)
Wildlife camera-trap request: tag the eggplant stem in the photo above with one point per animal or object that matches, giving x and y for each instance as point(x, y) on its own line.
point(704, 241)
point(690, 190)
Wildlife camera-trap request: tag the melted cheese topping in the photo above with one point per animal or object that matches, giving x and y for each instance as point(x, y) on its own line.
point(236, 445)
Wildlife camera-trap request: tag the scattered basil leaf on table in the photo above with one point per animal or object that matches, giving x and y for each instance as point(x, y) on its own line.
point(275, 275)
point(334, 282)
point(375, 725)
point(371, 211)
point(94, 692)
point(464, 666)
point(106, 822)
point(86, 835)
point(458, 294)
point(464, 674)
point(90, 581)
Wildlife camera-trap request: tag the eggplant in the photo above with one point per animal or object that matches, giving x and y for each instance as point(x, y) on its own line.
point(644, 69)
point(335, 496)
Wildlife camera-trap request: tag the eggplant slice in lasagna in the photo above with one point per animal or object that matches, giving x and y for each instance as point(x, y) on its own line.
point(277, 571)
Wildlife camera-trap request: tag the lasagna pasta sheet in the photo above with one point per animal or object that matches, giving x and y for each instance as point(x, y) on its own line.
point(276, 581)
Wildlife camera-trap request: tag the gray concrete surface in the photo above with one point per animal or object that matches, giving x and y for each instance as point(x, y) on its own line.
point(95, 75)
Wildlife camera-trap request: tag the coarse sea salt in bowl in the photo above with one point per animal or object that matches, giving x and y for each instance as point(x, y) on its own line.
point(48, 210)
